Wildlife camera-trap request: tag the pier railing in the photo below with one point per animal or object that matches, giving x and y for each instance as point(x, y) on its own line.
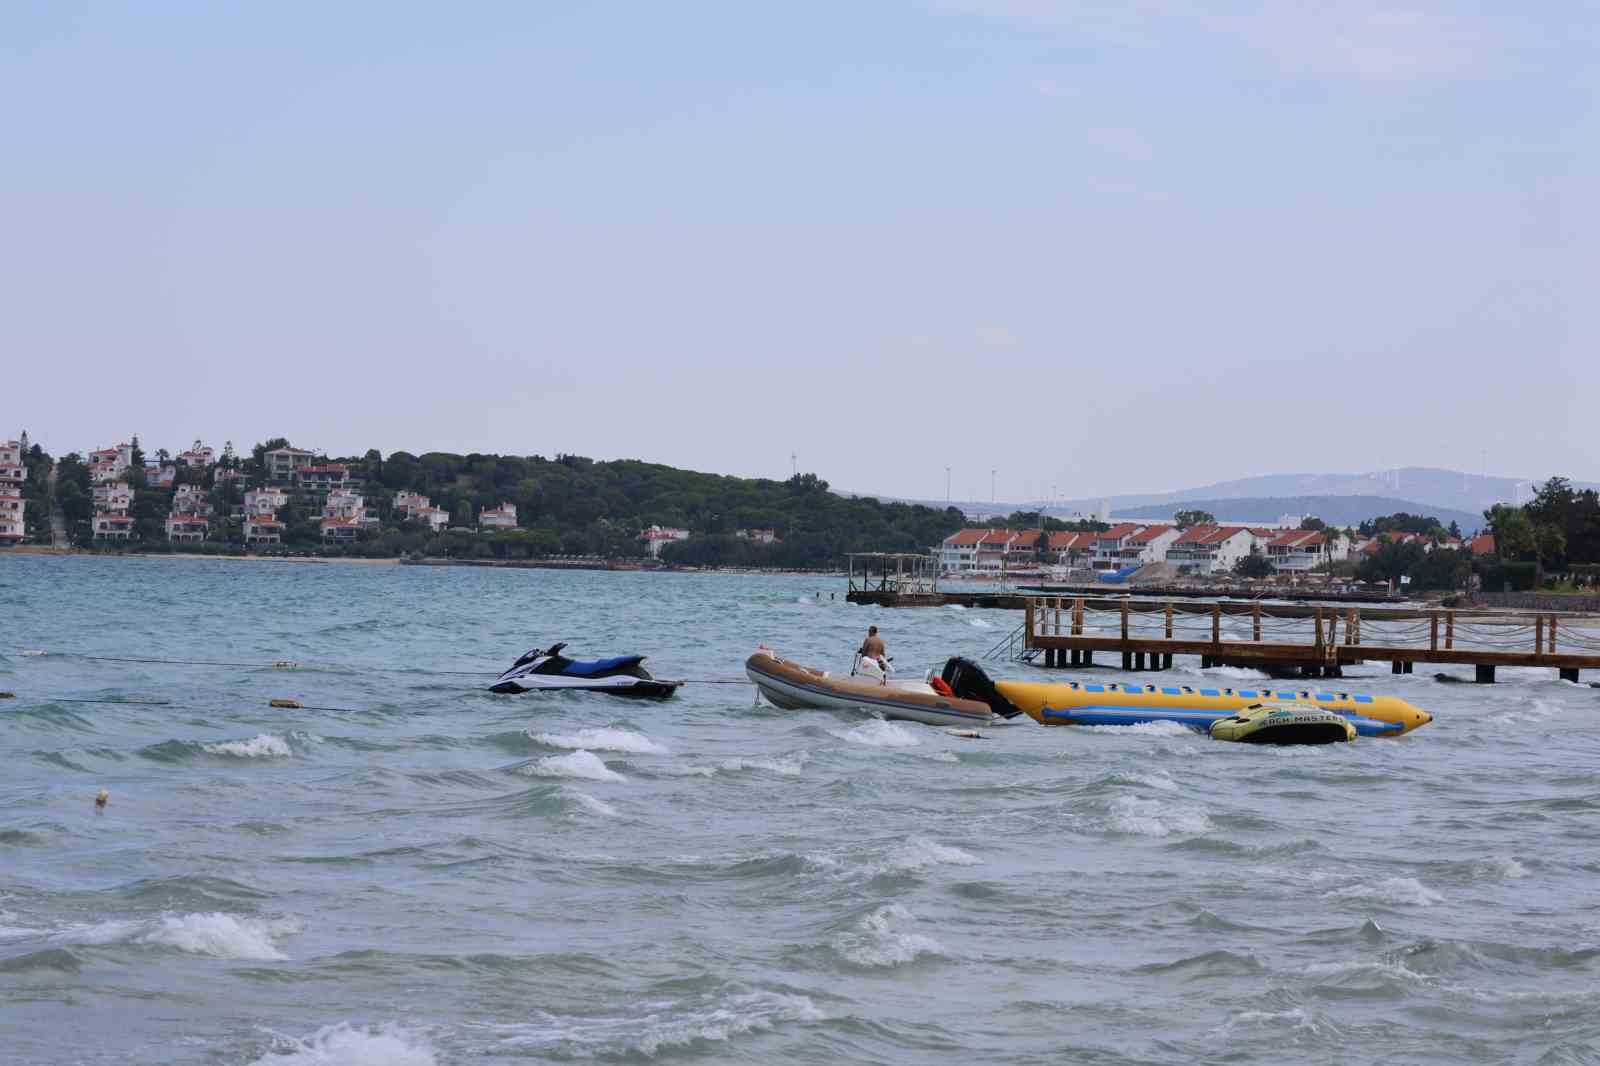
point(1321, 637)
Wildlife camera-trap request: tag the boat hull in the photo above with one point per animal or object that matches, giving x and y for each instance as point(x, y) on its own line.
point(1110, 703)
point(795, 687)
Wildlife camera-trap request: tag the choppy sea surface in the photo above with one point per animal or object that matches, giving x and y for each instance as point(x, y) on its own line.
point(412, 871)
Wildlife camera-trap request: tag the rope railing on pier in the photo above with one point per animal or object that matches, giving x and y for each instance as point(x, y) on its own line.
point(1245, 624)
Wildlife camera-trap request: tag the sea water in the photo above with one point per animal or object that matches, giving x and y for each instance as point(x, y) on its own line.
point(411, 870)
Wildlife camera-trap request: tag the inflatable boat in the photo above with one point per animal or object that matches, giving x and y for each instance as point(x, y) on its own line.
point(1284, 723)
point(544, 670)
point(1111, 703)
point(792, 686)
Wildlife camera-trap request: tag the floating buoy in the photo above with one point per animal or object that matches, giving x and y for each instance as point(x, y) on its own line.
point(292, 705)
point(101, 800)
point(33, 653)
point(8, 695)
point(965, 734)
point(285, 663)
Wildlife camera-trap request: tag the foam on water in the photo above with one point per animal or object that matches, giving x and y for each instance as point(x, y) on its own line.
point(877, 940)
point(1143, 729)
point(878, 733)
point(348, 1045)
point(219, 935)
point(260, 746)
point(657, 1025)
point(1150, 818)
point(581, 764)
point(1237, 673)
point(1402, 891)
point(1502, 867)
point(603, 739)
point(919, 853)
point(595, 806)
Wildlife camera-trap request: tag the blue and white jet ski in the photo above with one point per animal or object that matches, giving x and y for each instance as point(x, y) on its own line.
point(548, 670)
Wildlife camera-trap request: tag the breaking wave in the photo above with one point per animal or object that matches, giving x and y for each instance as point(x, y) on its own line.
point(604, 739)
point(581, 764)
point(348, 1045)
point(877, 942)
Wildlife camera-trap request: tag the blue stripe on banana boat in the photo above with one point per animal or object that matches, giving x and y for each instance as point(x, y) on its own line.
point(1192, 719)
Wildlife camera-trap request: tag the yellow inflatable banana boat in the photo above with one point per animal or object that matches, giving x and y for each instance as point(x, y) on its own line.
point(1111, 703)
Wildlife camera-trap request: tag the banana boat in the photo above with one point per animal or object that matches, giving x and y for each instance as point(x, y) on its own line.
point(1112, 703)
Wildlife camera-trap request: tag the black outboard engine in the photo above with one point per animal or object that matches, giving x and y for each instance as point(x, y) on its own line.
point(968, 681)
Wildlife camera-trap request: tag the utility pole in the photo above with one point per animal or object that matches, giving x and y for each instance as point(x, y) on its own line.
point(794, 465)
point(991, 486)
point(947, 485)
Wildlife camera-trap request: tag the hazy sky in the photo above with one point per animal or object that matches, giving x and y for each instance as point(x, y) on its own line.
point(1113, 245)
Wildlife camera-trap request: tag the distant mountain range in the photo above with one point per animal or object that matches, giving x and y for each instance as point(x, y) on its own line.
point(1343, 499)
point(1334, 510)
point(1430, 487)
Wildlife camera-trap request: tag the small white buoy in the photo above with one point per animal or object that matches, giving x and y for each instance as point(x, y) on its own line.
point(101, 800)
point(965, 734)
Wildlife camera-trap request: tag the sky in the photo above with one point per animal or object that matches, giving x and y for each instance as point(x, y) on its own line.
point(1063, 249)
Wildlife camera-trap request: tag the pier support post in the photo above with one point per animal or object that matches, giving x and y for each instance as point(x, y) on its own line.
point(1397, 667)
point(1127, 660)
point(1485, 675)
point(1138, 660)
point(1088, 657)
point(1166, 661)
point(1569, 674)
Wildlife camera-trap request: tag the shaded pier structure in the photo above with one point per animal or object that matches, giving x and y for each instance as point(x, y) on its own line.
point(1297, 640)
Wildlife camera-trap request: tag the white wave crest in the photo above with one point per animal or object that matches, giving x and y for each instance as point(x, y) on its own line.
point(608, 739)
point(1406, 891)
point(581, 764)
point(221, 936)
point(595, 806)
point(1295, 1018)
point(980, 623)
point(1150, 818)
point(955, 607)
point(260, 746)
point(878, 733)
point(1237, 673)
point(657, 1025)
point(1502, 867)
point(789, 767)
point(347, 1045)
point(877, 943)
point(919, 853)
point(1143, 729)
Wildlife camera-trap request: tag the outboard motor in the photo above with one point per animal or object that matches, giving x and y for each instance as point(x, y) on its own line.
point(968, 681)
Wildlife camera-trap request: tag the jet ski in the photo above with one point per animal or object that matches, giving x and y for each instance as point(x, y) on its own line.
point(543, 670)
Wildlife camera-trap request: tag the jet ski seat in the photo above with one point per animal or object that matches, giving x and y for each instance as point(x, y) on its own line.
point(600, 666)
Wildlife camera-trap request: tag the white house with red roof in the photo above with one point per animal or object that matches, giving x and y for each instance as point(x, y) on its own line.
point(191, 499)
point(1210, 549)
point(112, 496)
point(186, 528)
point(657, 537)
point(1073, 550)
point(264, 503)
point(12, 469)
point(327, 477)
point(336, 530)
point(262, 530)
point(198, 457)
point(113, 526)
point(502, 517)
point(435, 518)
point(281, 463)
point(959, 551)
point(13, 514)
point(406, 501)
point(1297, 551)
point(1109, 543)
point(108, 464)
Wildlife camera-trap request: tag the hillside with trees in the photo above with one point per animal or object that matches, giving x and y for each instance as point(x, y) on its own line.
point(568, 505)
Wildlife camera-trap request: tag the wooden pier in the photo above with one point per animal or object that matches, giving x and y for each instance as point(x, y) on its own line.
point(1303, 640)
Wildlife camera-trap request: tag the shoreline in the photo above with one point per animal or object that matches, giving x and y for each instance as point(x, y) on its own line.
point(42, 551)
